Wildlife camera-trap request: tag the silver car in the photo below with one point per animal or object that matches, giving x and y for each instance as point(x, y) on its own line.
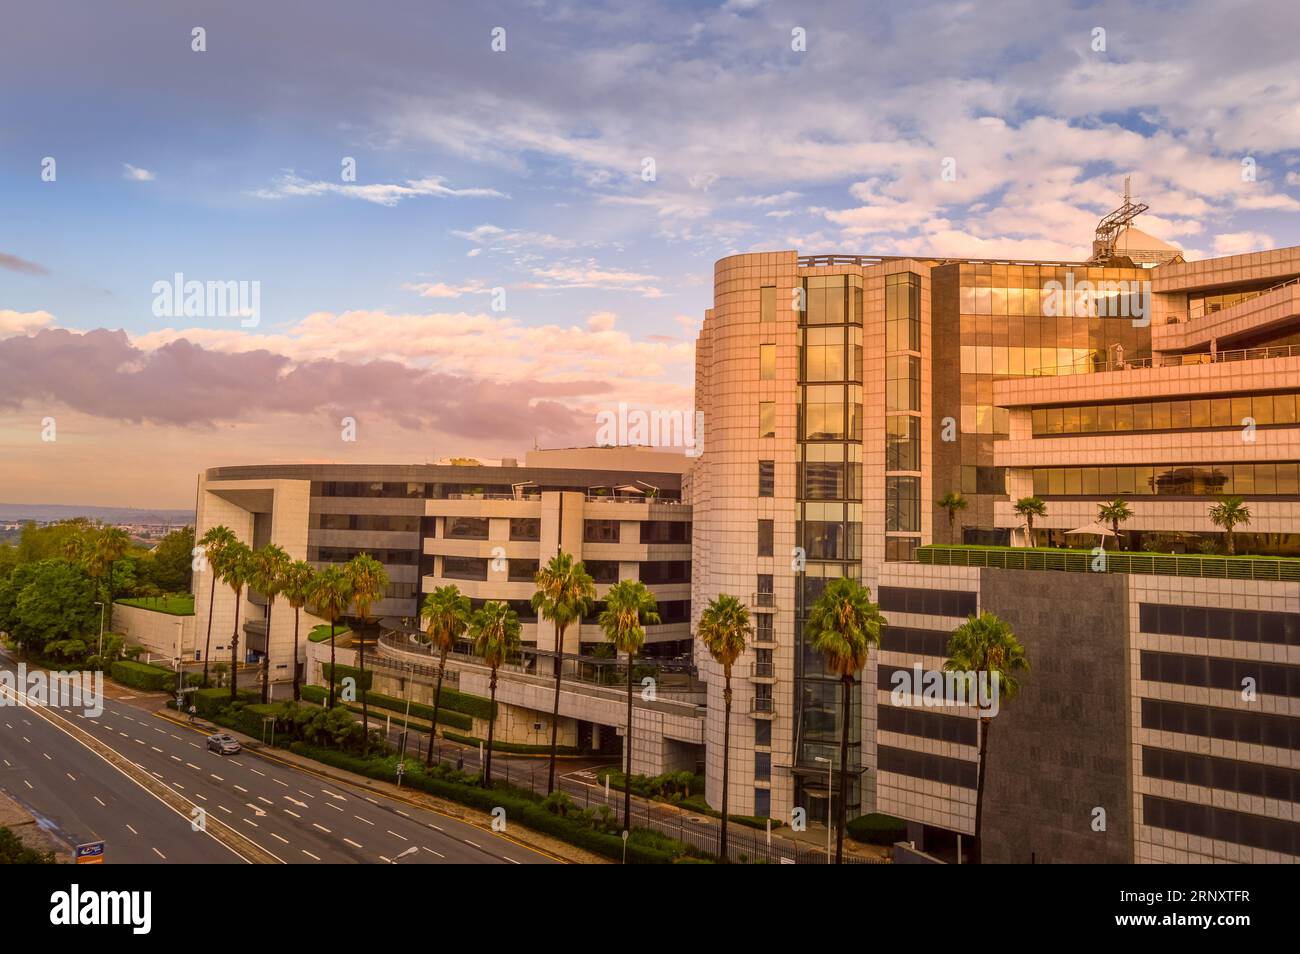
point(223, 744)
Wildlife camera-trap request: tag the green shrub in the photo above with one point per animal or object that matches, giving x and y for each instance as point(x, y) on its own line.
point(142, 676)
point(517, 748)
point(209, 702)
point(877, 829)
point(321, 633)
point(364, 680)
point(14, 852)
point(319, 695)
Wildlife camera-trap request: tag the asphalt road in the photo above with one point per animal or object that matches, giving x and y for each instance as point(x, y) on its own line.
point(295, 815)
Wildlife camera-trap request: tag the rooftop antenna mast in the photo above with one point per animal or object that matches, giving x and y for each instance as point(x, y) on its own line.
point(1114, 225)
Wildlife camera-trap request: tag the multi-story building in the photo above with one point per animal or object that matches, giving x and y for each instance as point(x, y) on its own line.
point(486, 528)
point(844, 396)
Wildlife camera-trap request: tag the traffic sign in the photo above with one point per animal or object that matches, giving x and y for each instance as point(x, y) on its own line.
point(91, 853)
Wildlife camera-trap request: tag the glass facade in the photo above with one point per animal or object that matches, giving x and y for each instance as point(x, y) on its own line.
point(829, 507)
point(1188, 414)
point(1169, 480)
point(903, 414)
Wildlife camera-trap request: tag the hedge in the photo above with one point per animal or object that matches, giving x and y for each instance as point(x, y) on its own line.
point(139, 675)
point(364, 680)
point(209, 702)
point(517, 748)
point(877, 829)
point(320, 695)
point(452, 699)
point(643, 846)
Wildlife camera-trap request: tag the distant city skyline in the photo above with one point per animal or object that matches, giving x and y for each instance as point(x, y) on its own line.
point(387, 179)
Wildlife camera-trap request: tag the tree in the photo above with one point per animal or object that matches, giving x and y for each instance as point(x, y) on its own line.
point(953, 502)
point(984, 647)
point(269, 565)
point(331, 594)
point(172, 565)
point(843, 626)
point(565, 593)
point(1230, 513)
point(449, 615)
point(14, 852)
point(110, 545)
point(369, 585)
point(295, 587)
point(214, 541)
point(1029, 508)
point(235, 567)
point(629, 608)
point(724, 628)
point(495, 630)
point(47, 602)
point(1115, 512)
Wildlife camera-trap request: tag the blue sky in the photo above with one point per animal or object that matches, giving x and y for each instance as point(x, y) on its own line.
point(522, 170)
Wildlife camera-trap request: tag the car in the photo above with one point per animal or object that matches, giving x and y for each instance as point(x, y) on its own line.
point(223, 744)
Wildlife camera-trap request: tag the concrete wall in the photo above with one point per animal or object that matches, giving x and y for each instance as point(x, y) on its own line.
point(161, 634)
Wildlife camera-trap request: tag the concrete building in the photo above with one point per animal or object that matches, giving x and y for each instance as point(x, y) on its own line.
point(844, 396)
point(485, 528)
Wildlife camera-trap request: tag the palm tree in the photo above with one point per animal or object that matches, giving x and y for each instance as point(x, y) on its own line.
point(953, 502)
point(565, 593)
point(295, 586)
point(449, 617)
point(1029, 508)
point(213, 542)
point(985, 647)
point(495, 629)
point(724, 627)
point(1230, 513)
point(235, 566)
point(1114, 513)
point(269, 566)
point(331, 593)
point(629, 608)
point(369, 586)
point(843, 625)
point(111, 544)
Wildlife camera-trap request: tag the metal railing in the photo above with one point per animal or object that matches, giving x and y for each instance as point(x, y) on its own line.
point(763, 600)
point(1097, 364)
point(1085, 561)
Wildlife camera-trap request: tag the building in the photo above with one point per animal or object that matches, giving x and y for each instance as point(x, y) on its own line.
point(485, 528)
point(844, 396)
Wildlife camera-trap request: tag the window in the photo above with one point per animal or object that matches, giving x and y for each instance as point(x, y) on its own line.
point(901, 549)
point(764, 632)
point(902, 442)
point(464, 568)
point(902, 312)
point(766, 478)
point(666, 571)
point(902, 383)
point(525, 528)
point(767, 362)
point(762, 801)
point(465, 528)
point(602, 571)
point(765, 537)
point(903, 504)
point(665, 531)
point(600, 531)
point(762, 732)
point(906, 599)
point(762, 766)
point(767, 303)
point(522, 571)
point(767, 419)
point(933, 768)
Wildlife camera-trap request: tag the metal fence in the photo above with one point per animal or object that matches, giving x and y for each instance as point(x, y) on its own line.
point(1086, 561)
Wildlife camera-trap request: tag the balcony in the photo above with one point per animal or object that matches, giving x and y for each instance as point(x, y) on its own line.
point(762, 706)
point(1282, 569)
point(764, 670)
point(765, 601)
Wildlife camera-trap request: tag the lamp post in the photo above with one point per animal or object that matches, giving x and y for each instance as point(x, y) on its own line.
point(830, 806)
point(101, 627)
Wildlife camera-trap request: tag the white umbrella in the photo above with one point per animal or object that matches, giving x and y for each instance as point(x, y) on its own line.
point(1096, 530)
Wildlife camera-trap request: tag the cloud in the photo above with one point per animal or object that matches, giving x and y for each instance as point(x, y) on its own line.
point(601, 321)
point(23, 323)
point(443, 290)
point(13, 263)
point(387, 194)
point(135, 174)
point(1236, 243)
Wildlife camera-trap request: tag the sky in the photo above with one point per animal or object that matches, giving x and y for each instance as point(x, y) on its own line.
point(470, 228)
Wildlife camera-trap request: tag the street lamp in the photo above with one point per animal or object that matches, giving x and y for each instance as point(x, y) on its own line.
point(409, 851)
point(101, 627)
point(830, 801)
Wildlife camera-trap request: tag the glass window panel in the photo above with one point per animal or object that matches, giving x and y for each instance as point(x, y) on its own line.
point(1284, 409)
point(767, 300)
point(1141, 417)
point(1160, 415)
point(1123, 417)
point(767, 419)
point(1240, 410)
point(1180, 415)
point(1262, 407)
point(1221, 412)
point(767, 362)
point(1200, 413)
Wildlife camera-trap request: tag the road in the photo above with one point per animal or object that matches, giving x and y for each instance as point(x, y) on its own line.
point(292, 813)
